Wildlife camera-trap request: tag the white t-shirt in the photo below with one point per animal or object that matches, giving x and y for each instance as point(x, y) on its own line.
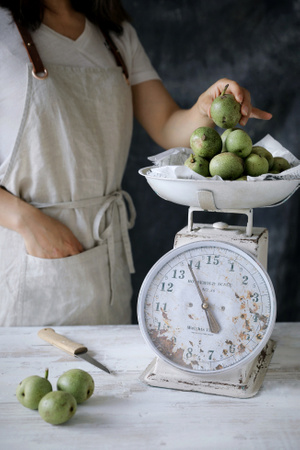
point(88, 50)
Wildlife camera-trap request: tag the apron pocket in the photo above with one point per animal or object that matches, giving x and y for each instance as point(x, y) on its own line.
point(67, 291)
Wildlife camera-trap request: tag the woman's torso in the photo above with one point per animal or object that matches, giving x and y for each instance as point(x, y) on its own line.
point(89, 50)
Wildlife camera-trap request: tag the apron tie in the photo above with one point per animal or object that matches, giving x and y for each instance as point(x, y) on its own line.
point(116, 198)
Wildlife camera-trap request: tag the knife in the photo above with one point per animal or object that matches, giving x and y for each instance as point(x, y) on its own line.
point(71, 347)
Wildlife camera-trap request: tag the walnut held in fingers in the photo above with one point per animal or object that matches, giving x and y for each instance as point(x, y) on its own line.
point(225, 110)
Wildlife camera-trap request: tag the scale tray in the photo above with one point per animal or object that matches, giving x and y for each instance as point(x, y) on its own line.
point(226, 194)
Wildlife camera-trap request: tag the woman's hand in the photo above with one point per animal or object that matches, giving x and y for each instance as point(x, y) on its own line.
point(45, 237)
point(169, 125)
point(241, 95)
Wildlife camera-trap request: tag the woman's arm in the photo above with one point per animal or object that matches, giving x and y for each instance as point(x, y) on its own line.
point(44, 237)
point(169, 125)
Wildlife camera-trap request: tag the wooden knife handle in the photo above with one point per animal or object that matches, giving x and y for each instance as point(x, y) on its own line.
point(60, 341)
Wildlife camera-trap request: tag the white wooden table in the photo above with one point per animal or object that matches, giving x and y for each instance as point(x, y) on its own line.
point(124, 413)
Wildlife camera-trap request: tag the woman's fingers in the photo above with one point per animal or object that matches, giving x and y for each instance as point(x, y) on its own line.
point(242, 96)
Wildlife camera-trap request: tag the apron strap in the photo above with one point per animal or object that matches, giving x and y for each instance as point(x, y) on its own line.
point(115, 51)
point(34, 57)
point(38, 66)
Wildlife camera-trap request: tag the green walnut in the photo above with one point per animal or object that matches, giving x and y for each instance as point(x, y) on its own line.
point(256, 165)
point(224, 137)
point(57, 407)
point(280, 164)
point(32, 389)
point(198, 165)
point(262, 151)
point(78, 383)
point(206, 142)
point(239, 142)
point(225, 111)
point(227, 165)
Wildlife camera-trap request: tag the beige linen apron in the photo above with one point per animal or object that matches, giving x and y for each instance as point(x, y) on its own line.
point(69, 160)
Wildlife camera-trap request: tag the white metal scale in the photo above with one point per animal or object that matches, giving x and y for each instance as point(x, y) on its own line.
point(207, 308)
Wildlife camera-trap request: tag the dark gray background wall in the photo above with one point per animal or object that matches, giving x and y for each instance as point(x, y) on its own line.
point(192, 44)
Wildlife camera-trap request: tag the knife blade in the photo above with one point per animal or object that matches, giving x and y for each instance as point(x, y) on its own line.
point(71, 347)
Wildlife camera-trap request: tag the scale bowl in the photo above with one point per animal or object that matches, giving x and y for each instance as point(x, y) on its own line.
point(226, 194)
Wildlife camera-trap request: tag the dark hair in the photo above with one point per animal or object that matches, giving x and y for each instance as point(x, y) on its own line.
point(108, 14)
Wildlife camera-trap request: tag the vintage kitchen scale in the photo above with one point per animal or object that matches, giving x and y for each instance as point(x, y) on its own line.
point(207, 308)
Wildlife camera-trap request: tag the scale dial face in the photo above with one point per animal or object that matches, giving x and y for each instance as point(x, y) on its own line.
point(222, 323)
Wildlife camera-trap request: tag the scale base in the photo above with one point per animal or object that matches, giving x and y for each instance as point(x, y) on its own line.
point(242, 383)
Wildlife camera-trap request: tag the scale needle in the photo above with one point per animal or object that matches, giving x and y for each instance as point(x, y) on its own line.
point(213, 324)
